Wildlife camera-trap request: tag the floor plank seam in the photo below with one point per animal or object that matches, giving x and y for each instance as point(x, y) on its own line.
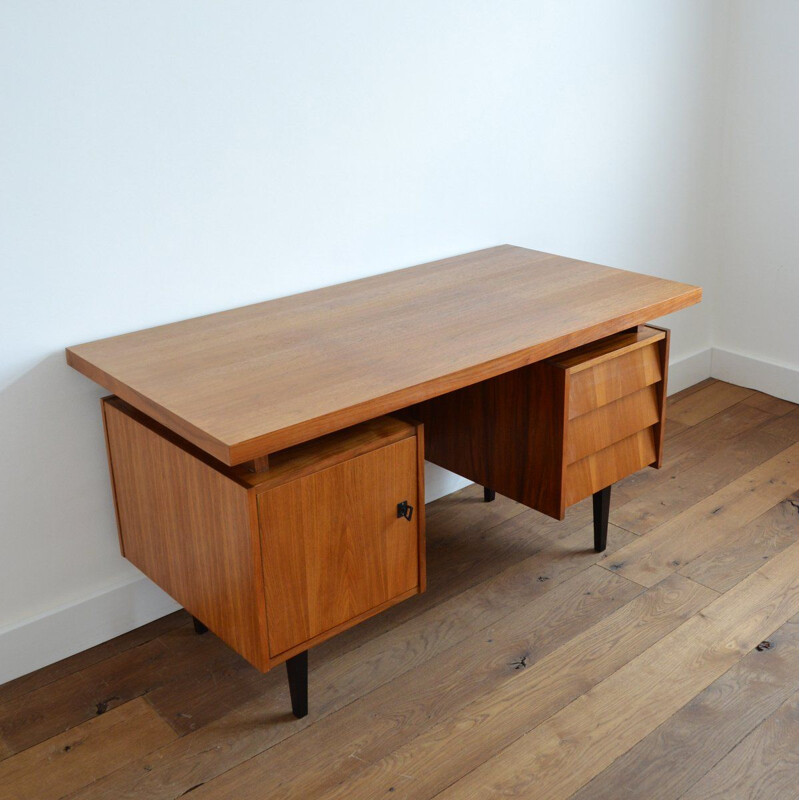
point(555, 712)
point(608, 678)
point(667, 722)
point(769, 419)
point(378, 687)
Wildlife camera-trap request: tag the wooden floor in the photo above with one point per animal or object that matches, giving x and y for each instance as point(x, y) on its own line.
point(532, 667)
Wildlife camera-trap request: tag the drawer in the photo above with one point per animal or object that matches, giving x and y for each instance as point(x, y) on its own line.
point(598, 429)
point(277, 560)
point(595, 381)
point(609, 465)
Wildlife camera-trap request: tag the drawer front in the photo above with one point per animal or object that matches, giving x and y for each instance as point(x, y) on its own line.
point(611, 464)
point(598, 429)
point(594, 387)
point(334, 547)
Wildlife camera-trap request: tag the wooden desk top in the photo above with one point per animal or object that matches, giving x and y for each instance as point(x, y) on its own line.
point(244, 383)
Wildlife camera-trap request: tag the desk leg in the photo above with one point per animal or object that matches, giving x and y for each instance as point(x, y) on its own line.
point(488, 495)
point(198, 626)
point(601, 503)
point(297, 671)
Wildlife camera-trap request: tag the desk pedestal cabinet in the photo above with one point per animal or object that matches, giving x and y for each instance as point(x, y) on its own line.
point(278, 555)
point(276, 561)
point(552, 433)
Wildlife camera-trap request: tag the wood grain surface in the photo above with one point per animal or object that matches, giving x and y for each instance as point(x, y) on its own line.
point(611, 423)
point(763, 764)
point(670, 760)
point(189, 528)
point(506, 433)
point(614, 378)
point(247, 382)
point(84, 753)
point(607, 466)
point(560, 755)
point(334, 546)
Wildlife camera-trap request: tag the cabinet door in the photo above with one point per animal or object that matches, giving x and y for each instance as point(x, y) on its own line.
point(334, 548)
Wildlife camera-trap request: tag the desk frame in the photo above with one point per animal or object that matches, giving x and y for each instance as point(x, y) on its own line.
point(233, 393)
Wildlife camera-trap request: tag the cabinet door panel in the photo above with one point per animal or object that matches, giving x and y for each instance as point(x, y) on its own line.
point(333, 545)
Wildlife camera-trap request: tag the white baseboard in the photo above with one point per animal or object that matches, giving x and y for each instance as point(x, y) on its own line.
point(110, 612)
point(779, 380)
point(689, 370)
point(440, 482)
point(34, 643)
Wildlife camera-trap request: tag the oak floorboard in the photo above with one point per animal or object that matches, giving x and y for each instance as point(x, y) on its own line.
point(440, 755)
point(693, 532)
point(384, 720)
point(676, 397)
point(708, 401)
point(672, 429)
point(94, 655)
point(562, 754)
point(246, 732)
point(83, 754)
point(671, 759)
point(36, 716)
point(763, 765)
point(724, 565)
point(770, 404)
point(689, 448)
point(690, 485)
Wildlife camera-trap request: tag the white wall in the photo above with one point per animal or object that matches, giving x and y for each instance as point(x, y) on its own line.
point(755, 289)
point(167, 159)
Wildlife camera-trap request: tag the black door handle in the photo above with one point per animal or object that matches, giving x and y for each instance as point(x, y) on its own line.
point(404, 510)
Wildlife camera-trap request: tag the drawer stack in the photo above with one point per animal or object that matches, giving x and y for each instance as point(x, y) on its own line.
point(557, 431)
point(614, 393)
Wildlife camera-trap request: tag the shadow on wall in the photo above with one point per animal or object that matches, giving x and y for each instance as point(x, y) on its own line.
point(57, 532)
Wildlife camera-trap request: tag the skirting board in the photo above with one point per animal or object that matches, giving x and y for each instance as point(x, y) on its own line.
point(42, 640)
point(60, 633)
point(779, 380)
point(689, 370)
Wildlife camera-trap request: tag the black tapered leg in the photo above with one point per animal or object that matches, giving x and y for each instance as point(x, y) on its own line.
point(488, 494)
point(297, 671)
point(601, 502)
point(198, 626)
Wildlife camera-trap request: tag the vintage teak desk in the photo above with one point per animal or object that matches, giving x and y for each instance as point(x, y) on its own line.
point(267, 462)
